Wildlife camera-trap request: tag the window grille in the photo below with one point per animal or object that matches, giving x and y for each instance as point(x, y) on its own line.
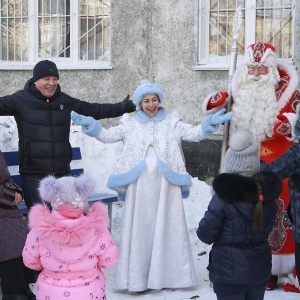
point(74, 33)
point(270, 21)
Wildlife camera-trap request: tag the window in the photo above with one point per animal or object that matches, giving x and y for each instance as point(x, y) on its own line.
point(75, 33)
point(270, 21)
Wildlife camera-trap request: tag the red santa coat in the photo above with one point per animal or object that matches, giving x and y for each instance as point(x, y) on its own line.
point(288, 98)
point(280, 239)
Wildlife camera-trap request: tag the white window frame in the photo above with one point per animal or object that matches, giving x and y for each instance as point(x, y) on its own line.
point(62, 63)
point(214, 62)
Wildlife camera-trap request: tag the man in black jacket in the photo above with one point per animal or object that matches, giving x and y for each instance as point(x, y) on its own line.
point(42, 113)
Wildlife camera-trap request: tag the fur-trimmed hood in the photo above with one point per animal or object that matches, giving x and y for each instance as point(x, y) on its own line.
point(234, 188)
point(68, 238)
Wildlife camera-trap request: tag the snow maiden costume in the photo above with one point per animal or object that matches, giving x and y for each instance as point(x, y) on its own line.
point(71, 244)
point(266, 106)
point(151, 177)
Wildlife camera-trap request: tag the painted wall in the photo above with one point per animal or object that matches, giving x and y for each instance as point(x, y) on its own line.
point(151, 39)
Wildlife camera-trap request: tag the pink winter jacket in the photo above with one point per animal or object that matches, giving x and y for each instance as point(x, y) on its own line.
point(70, 248)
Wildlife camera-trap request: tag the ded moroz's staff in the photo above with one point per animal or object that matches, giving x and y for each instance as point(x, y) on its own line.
point(233, 59)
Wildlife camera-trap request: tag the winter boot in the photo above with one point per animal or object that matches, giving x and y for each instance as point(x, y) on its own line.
point(17, 296)
point(29, 294)
point(272, 284)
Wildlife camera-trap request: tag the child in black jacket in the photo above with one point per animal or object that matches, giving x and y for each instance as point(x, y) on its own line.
point(238, 221)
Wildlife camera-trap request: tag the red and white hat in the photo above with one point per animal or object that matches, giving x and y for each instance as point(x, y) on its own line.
point(261, 53)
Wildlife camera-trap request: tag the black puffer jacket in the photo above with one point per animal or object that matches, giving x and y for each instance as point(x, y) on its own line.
point(240, 254)
point(44, 126)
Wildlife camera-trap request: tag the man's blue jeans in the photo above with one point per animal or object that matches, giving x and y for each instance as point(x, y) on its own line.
point(30, 187)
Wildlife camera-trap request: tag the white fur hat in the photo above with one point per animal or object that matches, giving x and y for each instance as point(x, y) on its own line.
point(146, 88)
point(261, 53)
point(242, 155)
point(67, 190)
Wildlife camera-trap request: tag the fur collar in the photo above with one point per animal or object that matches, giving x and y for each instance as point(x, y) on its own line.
point(144, 118)
point(57, 229)
point(232, 187)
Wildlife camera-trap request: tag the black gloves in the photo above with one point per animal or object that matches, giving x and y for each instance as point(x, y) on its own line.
point(128, 104)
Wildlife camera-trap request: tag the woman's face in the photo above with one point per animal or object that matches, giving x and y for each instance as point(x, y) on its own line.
point(150, 104)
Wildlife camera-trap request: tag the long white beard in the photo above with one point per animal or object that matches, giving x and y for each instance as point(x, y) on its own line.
point(255, 106)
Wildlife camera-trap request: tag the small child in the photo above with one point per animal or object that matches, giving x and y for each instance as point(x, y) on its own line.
point(238, 221)
point(71, 243)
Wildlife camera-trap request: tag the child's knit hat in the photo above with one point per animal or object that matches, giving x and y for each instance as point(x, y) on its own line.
point(146, 88)
point(67, 190)
point(242, 155)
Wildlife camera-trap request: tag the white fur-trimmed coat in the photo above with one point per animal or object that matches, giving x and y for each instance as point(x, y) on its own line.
point(138, 132)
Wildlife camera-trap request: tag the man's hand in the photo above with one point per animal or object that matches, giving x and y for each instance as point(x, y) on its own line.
point(81, 119)
point(217, 99)
point(18, 199)
point(128, 104)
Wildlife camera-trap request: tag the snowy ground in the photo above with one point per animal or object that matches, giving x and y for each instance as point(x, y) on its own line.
point(98, 161)
point(195, 207)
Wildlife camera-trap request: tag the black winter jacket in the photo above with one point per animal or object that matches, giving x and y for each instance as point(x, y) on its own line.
point(44, 126)
point(240, 255)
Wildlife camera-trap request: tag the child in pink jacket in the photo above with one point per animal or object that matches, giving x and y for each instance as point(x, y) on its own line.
point(71, 243)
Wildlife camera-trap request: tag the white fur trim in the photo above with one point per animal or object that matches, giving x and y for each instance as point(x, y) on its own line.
point(292, 117)
point(292, 85)
point(283, 264)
